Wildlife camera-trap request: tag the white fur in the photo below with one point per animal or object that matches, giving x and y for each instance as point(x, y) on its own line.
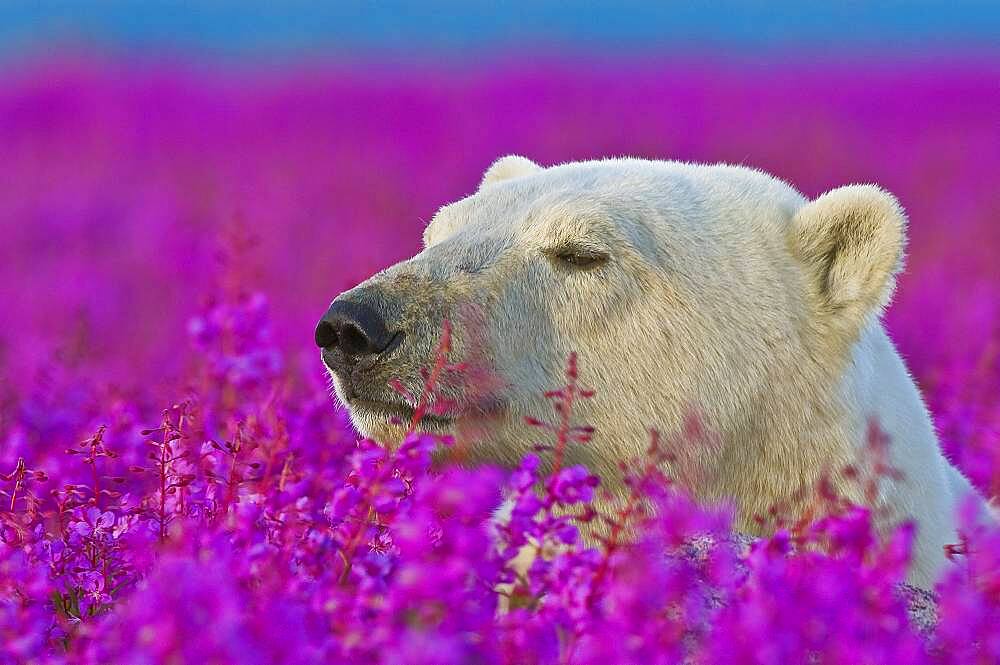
point(726, 294)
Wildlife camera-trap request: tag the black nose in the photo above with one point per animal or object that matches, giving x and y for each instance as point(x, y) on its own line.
point(353, 328)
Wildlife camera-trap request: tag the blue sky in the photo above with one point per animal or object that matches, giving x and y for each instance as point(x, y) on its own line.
point(256, 29)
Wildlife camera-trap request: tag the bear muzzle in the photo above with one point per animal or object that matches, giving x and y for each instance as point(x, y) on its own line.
point(353, 336)
point(358, 345)
point(380, 340)
point(355, 329)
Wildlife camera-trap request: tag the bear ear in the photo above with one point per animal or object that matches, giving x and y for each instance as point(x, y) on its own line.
point(505, 168)
point(851, 242)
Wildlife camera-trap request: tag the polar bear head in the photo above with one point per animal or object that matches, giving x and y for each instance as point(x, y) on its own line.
point(683, 288)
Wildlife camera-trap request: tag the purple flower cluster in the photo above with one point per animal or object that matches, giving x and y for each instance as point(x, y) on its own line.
point(176, 486)
point(227, 533)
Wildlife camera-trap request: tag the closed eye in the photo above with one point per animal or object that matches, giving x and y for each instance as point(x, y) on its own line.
point(473, 263)
point(471, 268)
point(579, 257)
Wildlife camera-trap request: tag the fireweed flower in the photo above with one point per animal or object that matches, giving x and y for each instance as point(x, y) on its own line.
point(250, 524)
point(970, 595)
point(91, 523)
point(233, 535)
point(574, 485)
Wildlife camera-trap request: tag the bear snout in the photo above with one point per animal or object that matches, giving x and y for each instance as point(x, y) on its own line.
point(351, 332)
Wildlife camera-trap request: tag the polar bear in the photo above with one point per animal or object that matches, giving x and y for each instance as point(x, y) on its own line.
point(682, 287)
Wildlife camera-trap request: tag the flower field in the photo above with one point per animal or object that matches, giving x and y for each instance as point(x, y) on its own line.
point(177, 485)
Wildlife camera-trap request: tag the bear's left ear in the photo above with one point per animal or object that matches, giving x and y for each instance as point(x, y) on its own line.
point(851, 242)
point(505, 168)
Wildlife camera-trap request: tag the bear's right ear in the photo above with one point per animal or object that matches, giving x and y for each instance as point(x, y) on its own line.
point(850, 241)
point(505, 168)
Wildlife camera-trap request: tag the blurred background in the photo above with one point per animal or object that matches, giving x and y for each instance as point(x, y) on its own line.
point(154, 152)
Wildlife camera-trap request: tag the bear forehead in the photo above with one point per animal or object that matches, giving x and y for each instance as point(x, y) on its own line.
point(618, 199)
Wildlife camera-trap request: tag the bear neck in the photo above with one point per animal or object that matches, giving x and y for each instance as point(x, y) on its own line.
point(802, 436)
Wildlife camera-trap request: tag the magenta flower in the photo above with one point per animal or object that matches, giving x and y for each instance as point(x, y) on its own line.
point(228, 512)
point(574, 485)
point(92, 523)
